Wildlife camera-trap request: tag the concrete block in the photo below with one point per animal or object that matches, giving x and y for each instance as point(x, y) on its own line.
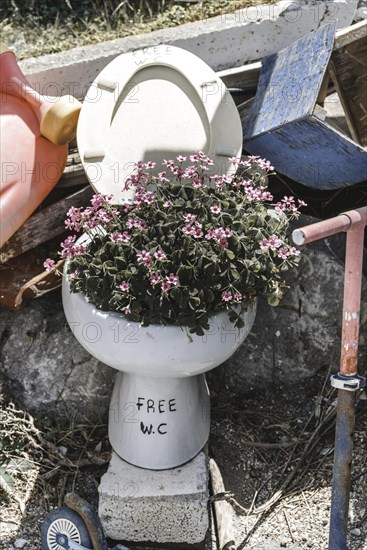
point(225, 41)
point(165, 506)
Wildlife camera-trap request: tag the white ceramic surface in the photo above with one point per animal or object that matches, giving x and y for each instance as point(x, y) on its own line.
point(159, 423)
point(157, 351)
point(154, 107)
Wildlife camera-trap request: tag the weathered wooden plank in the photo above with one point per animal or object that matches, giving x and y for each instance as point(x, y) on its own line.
point(324, 88)
point(73, 176)
point(222, 510)
point(313, 153)
point(241, 81)
point(44, 225)
point(346, 36)
point(348, 70)
point(290, 82)
point(246, 76)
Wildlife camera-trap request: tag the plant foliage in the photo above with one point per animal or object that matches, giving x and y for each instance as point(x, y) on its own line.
point(190, 244)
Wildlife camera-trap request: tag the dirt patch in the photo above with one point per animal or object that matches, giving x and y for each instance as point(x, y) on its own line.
point(274, 449)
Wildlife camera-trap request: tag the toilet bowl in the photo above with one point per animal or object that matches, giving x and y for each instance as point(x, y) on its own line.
point(155, 104)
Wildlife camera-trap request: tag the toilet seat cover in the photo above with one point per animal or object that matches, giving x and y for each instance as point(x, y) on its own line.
point(154, 104)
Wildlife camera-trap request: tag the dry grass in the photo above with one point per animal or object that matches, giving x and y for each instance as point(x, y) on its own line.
point(40, 27)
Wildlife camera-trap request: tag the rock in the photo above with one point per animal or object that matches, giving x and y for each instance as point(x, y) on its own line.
point(45, 366)
point(301, 336)
point(20, 543)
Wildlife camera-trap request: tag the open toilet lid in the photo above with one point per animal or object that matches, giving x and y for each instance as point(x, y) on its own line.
point(154, 104)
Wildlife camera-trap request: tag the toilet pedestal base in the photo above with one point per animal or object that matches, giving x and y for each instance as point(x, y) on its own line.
point(169, 506)
point(159, 423)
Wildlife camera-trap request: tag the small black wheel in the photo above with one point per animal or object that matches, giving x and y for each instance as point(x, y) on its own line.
point(64, 521)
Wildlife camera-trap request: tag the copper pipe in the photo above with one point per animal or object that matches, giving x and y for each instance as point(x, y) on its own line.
point(353, 222)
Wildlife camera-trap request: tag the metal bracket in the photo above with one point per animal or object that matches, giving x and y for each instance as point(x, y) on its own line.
point(348, 383)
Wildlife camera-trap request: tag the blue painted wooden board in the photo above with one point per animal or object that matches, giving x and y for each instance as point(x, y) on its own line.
point(289, 82)
point(313, 153)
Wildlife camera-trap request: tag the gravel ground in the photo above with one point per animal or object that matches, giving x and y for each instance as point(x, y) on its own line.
point(256, 440)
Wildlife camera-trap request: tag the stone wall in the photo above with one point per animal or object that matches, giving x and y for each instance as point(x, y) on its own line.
point(289, 344)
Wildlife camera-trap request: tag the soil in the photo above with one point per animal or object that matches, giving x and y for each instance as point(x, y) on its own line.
point(257, 440)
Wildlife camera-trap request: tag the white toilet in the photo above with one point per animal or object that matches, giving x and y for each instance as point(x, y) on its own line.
point(154, 104)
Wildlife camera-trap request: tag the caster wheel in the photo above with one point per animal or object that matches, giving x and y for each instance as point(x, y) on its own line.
point(59, 122)
point(64, 521)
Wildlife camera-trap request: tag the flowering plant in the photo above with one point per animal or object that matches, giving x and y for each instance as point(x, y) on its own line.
point(189, 244)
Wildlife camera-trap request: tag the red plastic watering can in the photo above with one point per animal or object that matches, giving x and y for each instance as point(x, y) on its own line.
point(34, 131)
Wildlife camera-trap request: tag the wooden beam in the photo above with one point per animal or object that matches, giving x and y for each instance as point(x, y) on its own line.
point(222, 510)
point(44, 225)
point(346, 36)
point(348, 70)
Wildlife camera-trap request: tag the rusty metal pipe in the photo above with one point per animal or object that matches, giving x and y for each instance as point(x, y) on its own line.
point(353, 222)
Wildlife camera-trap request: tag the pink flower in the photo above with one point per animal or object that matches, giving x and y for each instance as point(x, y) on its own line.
point(264, 244)
point(197, 183)
point(75, 219)
point(197, 233)
point(267, 196)
point(301, 203)
point(167, 203)
point(97, 201)
point(189, 218)
point(118, 237)
point(103, 216)
point(150, 165)
point(181, 158)
point(168, 163)
point(188, 229)
point(273, 243)
point(287, 203)
point(238, 297)
point(67, 244)
point(144, 258)
point(265, 164)
point(293, 251)
point(172, 279)
point(190, 171)
point(226, 296)
point(162, 177)
point(74, 274)
point(124, 286)
point(155, 278)
point(160, 255)
point(126, 310)
point(165, 286)
point(220, 235)
point(280, 207)
point(283, 252)
point(234, 160)
point(215, 209)
point(135, 223)
point(177, 171)
point(49, 264)
point(144, 197)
